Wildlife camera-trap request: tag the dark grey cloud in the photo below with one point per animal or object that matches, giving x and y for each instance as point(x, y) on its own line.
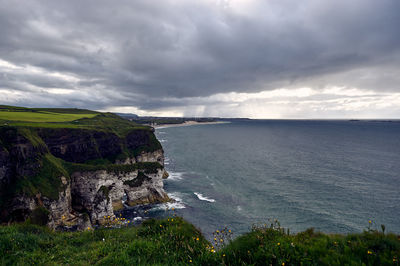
point(176, 53)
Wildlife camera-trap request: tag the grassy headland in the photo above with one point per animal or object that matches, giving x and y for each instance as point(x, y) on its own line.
point(173, 241)
point(65, 118)
point(88, 127)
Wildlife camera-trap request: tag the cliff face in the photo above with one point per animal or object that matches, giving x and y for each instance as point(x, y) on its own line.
point(76, 177)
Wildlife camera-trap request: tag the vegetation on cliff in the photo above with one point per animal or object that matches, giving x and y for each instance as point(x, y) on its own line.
point(173, 241)
point(38, 146)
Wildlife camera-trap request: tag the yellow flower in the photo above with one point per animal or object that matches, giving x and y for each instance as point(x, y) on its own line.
point(369, 252)
point(221, 240)
point(160, 225)
point(229, 230)
point(370, 221)
point(88, 228)
point(215, 239)
point(283, 264)
point(217, 231)
point(172, 220)
point(279, 244)
point(212, 250)
point(190, 261)
point(223, 255)
point(197, 239)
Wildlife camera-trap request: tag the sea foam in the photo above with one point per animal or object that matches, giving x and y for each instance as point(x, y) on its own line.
point(174, 176)
point(201, 197)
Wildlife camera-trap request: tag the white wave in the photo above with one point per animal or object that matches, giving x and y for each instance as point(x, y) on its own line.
point(176, 196)
point(177, 204)
point(239, 208)
point(160, 132)
point(201, 197)
point(163, 140)
point(175, 176)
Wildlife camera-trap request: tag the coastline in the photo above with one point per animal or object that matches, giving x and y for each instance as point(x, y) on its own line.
point(190, 123)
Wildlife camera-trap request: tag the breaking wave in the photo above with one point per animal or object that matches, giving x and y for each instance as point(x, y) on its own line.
point(201, 197)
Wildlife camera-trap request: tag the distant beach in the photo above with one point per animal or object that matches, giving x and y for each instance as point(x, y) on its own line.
point(190, 123)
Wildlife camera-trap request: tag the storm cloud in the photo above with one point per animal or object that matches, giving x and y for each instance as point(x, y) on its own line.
point(255, 58)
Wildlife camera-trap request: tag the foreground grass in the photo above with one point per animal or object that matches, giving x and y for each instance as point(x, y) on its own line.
point(173, 241)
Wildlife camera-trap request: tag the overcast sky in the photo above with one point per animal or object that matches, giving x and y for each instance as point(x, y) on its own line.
point(237, 58)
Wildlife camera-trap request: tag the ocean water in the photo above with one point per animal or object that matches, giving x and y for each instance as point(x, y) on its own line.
point(334, 176)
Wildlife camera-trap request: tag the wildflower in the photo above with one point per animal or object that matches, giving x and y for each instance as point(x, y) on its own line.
point(103, 239)
point(221, 240)
point(223, 255)
point(197, 239)
point(370, 221)
point(173, 209)
point(172, 220)
point(369, 252)
point(215, 239)
point(190, 261)
point(217, 231)
point(88, 228)
point(283, 264)
point(160, 225)
point(279, 244)
point(229, 230)
point(212, 250)
point(292, 244)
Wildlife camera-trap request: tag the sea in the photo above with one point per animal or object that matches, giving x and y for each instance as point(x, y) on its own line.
point(334, 176)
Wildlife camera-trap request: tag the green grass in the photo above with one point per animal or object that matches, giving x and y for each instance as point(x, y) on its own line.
point(66, 118)
point(174, 241)
point(42, 116)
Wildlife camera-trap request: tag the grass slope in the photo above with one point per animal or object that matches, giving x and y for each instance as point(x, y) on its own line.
point(173, 241)
point(42, 116)
point(65, 118)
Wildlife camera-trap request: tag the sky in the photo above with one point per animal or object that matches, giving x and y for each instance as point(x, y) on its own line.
point(276, 59)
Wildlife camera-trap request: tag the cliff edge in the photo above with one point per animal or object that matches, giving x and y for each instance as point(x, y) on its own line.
point(77, 170)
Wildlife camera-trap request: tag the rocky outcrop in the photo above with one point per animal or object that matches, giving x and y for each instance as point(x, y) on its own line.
point(101, 192)
point(49, 171)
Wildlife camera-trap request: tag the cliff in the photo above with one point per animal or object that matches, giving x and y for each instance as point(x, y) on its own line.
point(77, 173)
